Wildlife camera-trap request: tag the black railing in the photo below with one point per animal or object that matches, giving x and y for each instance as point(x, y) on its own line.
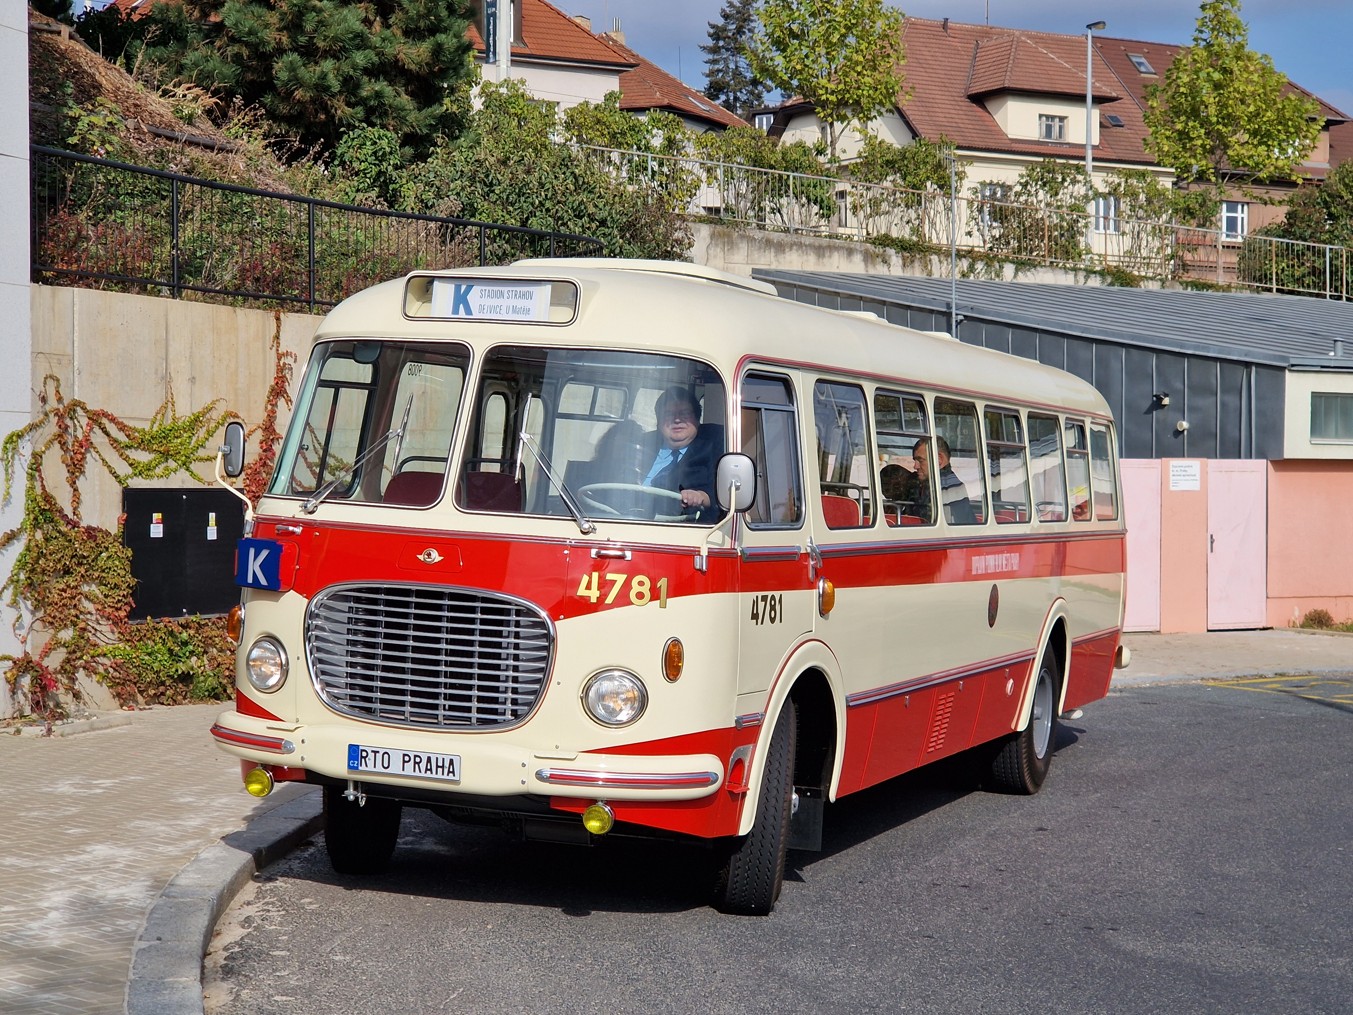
point(104, 224)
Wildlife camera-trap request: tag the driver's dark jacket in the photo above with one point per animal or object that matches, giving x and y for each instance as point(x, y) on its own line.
point(694, 470)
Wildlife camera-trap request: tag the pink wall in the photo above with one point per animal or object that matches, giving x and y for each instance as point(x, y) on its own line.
point(1310, 540)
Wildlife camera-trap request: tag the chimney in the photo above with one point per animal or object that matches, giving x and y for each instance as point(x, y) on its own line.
point(615, 32)
point(945, 26)
point(585, 21)
point(1339, 348)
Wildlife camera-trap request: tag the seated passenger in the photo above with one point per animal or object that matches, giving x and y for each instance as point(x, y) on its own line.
point(682, 456)
point(898, 486)
point(953, 494)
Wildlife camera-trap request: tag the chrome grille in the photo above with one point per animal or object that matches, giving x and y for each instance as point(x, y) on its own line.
point(427, 656)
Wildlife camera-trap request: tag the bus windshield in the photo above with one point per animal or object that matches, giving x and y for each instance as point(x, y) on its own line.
point(625, 435)
point(367, 413)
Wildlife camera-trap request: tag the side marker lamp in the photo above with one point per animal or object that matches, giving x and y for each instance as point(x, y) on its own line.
point(235, 624)
point(673, 660)
point(599, 818)
point(826, 597)
point(258, 782)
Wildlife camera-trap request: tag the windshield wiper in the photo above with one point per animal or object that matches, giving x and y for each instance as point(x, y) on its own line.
point(585, 525)
point(318, 497)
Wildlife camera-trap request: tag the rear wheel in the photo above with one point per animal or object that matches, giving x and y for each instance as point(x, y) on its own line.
point(1021, 764)
point(359, 839)
point(749, 881)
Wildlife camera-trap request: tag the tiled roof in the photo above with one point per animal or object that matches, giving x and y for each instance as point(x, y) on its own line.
point(1043, 66)
point(950, 65)
point(648, 86)
point(551, 36)
point(1341, 144)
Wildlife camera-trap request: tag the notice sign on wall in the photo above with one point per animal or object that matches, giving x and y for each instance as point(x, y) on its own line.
point(1186, 475)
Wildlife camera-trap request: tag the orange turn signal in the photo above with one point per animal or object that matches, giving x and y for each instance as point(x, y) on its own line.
point(673, 660)
point(235, 624)
point(826, 596)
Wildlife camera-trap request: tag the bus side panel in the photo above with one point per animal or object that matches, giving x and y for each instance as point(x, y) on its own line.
point(860, 732)
point(900, 726)
point(1091, 668)
point(1000, 701)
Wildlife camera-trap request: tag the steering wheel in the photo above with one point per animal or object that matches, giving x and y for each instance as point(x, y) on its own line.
point(593, 493)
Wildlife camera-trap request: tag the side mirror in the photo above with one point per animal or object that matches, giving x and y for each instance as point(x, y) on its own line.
point(736, 473)
point(232, 451)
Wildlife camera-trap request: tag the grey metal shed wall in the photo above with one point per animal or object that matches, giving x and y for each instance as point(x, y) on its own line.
point(1234, 409)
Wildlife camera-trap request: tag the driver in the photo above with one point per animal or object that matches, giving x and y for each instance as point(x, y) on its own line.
point(682, 456)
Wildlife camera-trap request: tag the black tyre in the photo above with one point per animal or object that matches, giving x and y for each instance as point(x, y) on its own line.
point(749, 881)
point(359, 840)
point(1022, 760)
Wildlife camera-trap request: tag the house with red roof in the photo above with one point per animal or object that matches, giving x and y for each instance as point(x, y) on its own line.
point(1008, 98)
point(561, 60)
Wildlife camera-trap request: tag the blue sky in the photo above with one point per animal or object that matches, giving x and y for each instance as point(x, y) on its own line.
point(1305, 38)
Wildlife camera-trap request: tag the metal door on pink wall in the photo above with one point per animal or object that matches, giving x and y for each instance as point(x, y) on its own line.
point(1237, 534)
point(1141, 511)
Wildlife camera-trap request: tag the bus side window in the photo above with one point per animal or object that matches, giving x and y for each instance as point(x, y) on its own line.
point(845, 462)
point(1005, 458)
point(1049, 474)
point(770, 439)
point(962, 485)
point(899, 422)
point(1101, 467)
point(1078, 470)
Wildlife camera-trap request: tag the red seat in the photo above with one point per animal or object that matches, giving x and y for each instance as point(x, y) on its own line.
point(490, 491)
point(840, 512)
point(414, 489)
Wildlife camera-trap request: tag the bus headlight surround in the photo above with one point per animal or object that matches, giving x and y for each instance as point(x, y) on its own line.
point(266, 664)
point(614, 697)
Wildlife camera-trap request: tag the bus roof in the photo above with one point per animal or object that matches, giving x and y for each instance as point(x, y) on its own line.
point(718, 317)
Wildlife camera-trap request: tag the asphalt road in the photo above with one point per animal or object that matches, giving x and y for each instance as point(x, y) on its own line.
point(1191, 851)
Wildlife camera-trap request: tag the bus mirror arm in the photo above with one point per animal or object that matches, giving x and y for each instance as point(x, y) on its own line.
point(230, 461)
point(702, 558)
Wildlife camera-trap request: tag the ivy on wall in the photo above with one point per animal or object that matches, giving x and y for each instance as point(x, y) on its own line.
point(71, 583)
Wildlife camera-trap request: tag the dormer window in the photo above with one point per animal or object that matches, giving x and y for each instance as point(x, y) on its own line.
point(1141, 63)
point(763, 121)
point(1051, 128)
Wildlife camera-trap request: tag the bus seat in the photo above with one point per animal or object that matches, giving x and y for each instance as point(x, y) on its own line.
point(911, 520)
point(840, 512)
point(490, 491)
point(414, 489)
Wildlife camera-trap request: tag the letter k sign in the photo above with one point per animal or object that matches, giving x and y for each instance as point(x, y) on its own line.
point(258, 564)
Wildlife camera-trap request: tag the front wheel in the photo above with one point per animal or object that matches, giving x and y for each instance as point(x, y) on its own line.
point(1021, 764)
point(749, 881)
point(359, 839)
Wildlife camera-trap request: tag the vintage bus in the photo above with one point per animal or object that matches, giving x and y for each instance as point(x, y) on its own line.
point(580, 545)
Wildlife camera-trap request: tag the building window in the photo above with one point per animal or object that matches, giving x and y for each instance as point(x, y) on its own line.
point(763, 121)
point(993, 195)
point(1331, 417)
point(1051, 128)
point(1141, 63)
point(1235, 220)
point(1107, 211)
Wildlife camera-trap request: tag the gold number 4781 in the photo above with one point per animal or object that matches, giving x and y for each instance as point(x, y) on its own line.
point(605, 588)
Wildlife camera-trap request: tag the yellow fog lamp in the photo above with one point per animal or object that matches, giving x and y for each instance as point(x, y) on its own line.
point(599, 818)
point(258, 782)
point(826, 597)
point(673, 659)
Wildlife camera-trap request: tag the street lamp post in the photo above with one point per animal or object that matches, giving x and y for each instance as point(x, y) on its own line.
point(1090, 29)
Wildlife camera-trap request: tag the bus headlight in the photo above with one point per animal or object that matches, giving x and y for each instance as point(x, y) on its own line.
point(614, 697)
point(266, 664)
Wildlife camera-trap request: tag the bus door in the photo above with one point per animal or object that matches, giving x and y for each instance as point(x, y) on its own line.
point(777, 601)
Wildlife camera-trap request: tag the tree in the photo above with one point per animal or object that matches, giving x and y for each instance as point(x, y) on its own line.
point(729, 80)
point(321, 67)
point(1322, 216)
point(1222, 111)
point(844, 57)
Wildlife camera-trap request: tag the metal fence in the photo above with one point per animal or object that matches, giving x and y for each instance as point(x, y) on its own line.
point(920, 220)
point(104, 224)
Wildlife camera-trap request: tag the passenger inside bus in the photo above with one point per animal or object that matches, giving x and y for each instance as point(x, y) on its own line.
point(682, 454)
point(899, 486)
point(953, 494)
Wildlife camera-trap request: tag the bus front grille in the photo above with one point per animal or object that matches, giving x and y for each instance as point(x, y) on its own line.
point(429, 657)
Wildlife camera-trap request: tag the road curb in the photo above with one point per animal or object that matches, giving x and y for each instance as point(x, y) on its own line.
point(166, 968)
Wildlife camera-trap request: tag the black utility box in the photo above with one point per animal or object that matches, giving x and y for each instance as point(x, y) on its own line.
point(183, 550)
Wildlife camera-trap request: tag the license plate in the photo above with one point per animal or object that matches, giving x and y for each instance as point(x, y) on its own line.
point(389, 761)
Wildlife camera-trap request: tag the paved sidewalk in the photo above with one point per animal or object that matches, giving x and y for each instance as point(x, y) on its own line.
point(120, 846)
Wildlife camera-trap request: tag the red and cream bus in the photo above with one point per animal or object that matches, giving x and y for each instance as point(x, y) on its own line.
point(486, 580)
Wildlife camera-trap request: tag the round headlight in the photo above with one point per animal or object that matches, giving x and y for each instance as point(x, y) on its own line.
point(614, 697)
point(266, 664)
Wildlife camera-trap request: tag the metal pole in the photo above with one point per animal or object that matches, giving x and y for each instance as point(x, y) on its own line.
point(953, 245)
point(1090, 29)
